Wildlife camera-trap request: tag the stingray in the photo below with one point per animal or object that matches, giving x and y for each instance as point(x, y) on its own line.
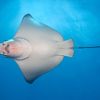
point(37, 48)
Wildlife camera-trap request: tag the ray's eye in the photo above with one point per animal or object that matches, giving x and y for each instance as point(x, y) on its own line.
point(3, 44)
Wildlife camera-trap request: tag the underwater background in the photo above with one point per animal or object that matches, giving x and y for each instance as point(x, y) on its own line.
point(76, 78)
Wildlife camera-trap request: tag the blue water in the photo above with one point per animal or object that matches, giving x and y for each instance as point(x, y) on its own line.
point(76, 78)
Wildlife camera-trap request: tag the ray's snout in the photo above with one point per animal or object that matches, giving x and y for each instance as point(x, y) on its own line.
point(3, 49)
point(16, 48)
point(0, 48)
point(9, 48)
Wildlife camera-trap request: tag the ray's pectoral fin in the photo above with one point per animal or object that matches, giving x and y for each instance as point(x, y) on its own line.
point(65, 48)
point(27, 69)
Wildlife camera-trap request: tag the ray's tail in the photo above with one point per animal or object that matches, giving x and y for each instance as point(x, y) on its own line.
point(66, 48)
point(87, 47)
